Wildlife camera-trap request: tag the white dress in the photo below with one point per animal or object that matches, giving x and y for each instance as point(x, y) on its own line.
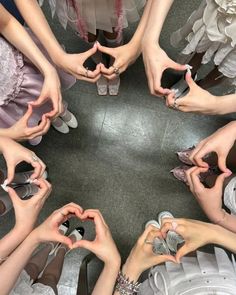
point(211, 29)
point(230, 196)
point(90, 15)
point(205, 274)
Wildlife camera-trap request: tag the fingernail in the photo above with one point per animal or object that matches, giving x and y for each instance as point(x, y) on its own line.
point(228, 171)
point(188, 68)
point(4, 185)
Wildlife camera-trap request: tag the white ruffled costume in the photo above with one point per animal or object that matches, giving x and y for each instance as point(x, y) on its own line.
point(90, 15)
point(211, 29)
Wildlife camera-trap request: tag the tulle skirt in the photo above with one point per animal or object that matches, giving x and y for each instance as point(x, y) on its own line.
point(20, 83)
point(211, 29)
point(91, 15)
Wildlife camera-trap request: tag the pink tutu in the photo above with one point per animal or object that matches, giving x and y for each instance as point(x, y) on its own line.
point(20, 83)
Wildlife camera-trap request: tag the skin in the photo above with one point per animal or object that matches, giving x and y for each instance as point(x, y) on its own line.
point(12, 30)
point(14, 154)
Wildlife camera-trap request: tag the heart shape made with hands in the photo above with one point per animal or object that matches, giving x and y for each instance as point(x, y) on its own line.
point(75, 211)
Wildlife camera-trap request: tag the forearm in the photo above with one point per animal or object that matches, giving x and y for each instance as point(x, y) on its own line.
point(225, 104)
point(16, 35)
point(224, 238)
point(107, 279)
point(12, 240)
point(12, 267)
point(138, 35)
point(39, 25)
point(158, 13)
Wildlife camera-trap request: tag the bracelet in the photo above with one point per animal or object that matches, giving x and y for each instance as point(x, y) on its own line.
point(125, 287)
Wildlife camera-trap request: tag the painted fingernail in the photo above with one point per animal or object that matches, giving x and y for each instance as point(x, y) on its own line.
point(189, 68)
point(228, 171)
point(29, 180)
point(4, 185)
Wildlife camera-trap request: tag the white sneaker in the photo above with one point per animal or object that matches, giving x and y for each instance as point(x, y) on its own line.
point(172, 238)
point(60, 125)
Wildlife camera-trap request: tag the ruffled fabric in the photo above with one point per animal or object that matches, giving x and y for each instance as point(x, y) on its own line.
point(230, 196)
point(20, 83)
point(211, 29)
point(90, 15)
point(201, 275)
point(25, 286)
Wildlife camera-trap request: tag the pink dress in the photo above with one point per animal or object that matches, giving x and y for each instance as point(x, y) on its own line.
point(20, 83)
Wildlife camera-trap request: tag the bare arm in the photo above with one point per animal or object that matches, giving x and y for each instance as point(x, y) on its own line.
point(13, 31)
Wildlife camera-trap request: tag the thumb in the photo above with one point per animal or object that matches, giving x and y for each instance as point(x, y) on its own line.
point(84, 244)
point(104, 49)
point(28, 113)
point(190, 81)
point(178, 67)
point(89, 52)
point(182, 252)
point(220, 181)
point(13, 195)
point(10, 172)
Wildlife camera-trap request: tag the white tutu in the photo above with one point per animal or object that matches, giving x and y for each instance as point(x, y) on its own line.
point(25, 286)
point(211, 29)
point(230, 196)
point(90, 15)
point(204, 274)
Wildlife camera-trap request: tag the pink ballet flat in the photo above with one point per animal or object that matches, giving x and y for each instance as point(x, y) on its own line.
point(180, 173)
point(185, 154)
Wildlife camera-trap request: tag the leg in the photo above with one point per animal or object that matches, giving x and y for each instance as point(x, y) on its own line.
point(196, 62)
point(210, 180)
point(2, 208)
point(212, 79)
point(38, 262)
point(52, 272)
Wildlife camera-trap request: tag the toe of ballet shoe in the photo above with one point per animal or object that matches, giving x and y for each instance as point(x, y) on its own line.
point(179, 173)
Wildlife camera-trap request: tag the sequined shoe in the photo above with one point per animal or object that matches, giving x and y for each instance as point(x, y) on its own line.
point(185, 154)
point(102, 85)
point(180, 173)
point(173, 240)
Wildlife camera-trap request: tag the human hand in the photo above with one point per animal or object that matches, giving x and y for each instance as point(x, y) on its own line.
point(123, 57)
point(14, 154)
point(27, 211)
point(210, 199)
point(197, 100)
point(219, 142)
point(142, 257)
point(74, 65)
point(195, 233)
point(156, 61)
point(21, 131)
point(103, 246)
point(51, 90)
point(49, 229)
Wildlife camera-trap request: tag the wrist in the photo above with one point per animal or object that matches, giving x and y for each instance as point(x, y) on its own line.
point(225, 104)
point(113, 264)
point(131, 270)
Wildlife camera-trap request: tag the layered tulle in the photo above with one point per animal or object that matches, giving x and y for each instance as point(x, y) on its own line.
point(211, 29)
point(90, 15)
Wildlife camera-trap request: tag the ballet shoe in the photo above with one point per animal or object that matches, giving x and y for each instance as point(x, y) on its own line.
point(113, 86)
point(185, 154)
point(180, 173)
point(60, 126)
point(102, 86)
point(69, 119)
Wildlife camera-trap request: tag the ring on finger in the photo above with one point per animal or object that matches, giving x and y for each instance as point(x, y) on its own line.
point(116, 70)
point(146, 241)
point(175, 105)
point(35, 158)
